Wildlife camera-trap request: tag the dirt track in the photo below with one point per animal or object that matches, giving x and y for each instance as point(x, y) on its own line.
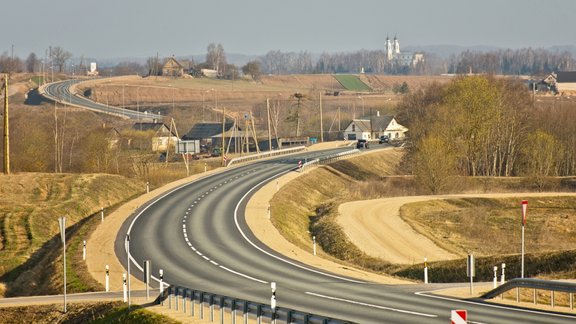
point(376, 228)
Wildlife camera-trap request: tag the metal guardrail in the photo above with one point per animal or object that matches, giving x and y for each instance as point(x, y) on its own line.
point(536, 285)
point(218, 308)
point(329, 158)
point(266, 154)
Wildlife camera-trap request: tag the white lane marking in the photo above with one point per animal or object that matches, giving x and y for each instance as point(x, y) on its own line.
point(371, 305)
point(198, 252)
point(214, 263)
point(243, 275)
point(426, 294)
point(272, 255)
point(206, 258)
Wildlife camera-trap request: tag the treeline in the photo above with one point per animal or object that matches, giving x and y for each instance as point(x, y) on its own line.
point(526, 61)
point(484, 126)
point(277, 62)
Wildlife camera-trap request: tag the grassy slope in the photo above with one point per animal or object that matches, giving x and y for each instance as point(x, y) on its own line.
point(308, 206)
point(30, 205)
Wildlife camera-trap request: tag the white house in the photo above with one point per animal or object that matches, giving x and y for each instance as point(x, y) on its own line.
point(373, 127)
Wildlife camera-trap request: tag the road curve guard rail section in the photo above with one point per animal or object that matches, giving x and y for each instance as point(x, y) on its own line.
point(266, 155)
point(329, 159)
point(536, 284)
point(218, 308)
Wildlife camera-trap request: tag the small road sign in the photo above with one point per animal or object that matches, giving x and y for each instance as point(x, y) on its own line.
point(459, 316)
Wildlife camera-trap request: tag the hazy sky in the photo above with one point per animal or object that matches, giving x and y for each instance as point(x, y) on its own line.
point(130, 28)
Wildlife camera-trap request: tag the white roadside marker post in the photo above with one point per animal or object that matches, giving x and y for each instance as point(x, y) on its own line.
point(107, 278)
point(161, 281)
point(124, 291)
point(102, 214)
point(273, 301)
point(495, 276)
point(425, 270)
point(84, 250)
point(314, 244)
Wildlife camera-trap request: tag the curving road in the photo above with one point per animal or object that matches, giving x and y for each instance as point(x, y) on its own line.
point(60, 91)
point(198, 236)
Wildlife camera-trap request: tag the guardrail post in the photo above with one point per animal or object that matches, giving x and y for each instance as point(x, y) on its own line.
point(211, 303)
point(221, 310)
point(176, 291)
point(259, 314)
point(535, 296)
point(192, 297)
point(571, 301)
point(552, 298)
point(201, 302)
point(184, 295)
point(233, 311)
point(245, 312)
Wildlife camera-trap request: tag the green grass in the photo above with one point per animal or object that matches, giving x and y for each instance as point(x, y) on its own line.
point(352, 82)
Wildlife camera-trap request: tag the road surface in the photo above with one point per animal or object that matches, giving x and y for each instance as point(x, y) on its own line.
point(197, 234)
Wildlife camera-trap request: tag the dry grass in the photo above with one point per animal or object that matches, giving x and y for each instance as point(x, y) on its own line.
point(104, 312)
point(492, 226)
point(30, 205)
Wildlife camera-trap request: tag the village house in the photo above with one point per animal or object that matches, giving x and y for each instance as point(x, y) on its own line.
point(172, 68)
point(162, 137)
point(373, 127)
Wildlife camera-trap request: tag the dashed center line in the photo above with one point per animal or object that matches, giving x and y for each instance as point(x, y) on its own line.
point(194, 248)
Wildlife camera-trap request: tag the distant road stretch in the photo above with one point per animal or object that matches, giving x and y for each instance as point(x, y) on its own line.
point(60, 92)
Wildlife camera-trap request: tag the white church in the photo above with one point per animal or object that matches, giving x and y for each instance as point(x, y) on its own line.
point(393, 54)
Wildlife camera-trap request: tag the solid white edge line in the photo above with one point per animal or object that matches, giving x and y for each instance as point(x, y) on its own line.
point(242, 275)
point(427, 294)
point(371, 305)
point(270, 254)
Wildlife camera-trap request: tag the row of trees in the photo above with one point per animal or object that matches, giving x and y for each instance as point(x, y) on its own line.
point(482, 126)
point(525, 61)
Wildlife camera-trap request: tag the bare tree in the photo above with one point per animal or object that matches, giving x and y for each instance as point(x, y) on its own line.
point(215, 57)
point(60, 56)
point(31, 63)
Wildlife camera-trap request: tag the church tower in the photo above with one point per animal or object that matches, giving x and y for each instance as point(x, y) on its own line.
point(389, 52)
point(396, 45)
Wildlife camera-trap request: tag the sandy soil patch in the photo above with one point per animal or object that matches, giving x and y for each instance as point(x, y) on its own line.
point(376, 228)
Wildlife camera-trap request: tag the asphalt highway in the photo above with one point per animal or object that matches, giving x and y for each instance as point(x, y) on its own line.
point(198, 236)
point(60, 91)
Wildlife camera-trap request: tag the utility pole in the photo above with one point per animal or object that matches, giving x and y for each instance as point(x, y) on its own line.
point(321, 124)
point(223, 132)
point(269, 132)
point(6, 128)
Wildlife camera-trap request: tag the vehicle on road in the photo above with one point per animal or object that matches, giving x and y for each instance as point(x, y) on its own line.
point(384, 139)
point(362, 143)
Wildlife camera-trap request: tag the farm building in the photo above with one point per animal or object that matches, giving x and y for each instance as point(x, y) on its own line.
point(566, 82)
point(162, 137)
